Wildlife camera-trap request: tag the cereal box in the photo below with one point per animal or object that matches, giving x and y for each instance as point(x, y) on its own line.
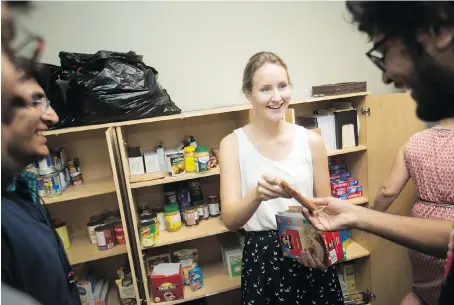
point(297, 234)
point(339, 184)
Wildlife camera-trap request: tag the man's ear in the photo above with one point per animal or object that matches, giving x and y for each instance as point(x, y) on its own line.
point(445, 38)
point(437, 41)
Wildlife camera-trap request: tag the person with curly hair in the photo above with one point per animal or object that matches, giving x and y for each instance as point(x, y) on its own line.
point(414, 49)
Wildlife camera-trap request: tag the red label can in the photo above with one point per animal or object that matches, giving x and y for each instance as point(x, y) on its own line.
point(105, 237)
point(119, 233)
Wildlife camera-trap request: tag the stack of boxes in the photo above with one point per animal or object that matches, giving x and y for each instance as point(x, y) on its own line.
point(343, 186)
point(346, 275)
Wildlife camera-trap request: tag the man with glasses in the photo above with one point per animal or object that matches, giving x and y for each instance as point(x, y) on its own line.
point(414, 48)
point(33, 259)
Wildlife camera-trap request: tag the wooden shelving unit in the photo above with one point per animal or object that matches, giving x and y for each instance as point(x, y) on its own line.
point(216, 280)
point(82, 251)
point(87, 189)
point(209, 126)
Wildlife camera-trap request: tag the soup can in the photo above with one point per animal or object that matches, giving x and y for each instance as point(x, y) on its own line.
point(62, 231)
point(105, 237)
point(58, 158)
point(119, 233)
point(91, 226)
point(52, 186)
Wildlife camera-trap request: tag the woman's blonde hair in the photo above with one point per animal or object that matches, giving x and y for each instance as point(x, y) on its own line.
point(255, 62)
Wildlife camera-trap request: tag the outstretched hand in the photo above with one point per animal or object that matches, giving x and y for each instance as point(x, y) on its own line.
point(333, 214)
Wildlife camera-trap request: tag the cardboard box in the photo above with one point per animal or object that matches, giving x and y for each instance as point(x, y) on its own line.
point(297, 234)
point(151, 162)
point(233, 260)
point(342, 176)
point(85, 293)
point(154, 260)
point(136, 166)
point(167, 282)
point(347, 190)
point(348, 273)
point(339, 184)
point(100, 294)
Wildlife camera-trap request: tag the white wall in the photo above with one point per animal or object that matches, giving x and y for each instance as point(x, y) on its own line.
point(200, 48)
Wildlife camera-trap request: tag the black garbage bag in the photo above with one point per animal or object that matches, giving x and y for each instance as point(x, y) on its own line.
point(111, 86)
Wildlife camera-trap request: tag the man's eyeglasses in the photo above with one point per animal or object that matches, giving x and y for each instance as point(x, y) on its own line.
point(41, 103)
point(377, 56)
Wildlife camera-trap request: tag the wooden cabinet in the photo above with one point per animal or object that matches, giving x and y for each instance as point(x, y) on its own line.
point(379, 265)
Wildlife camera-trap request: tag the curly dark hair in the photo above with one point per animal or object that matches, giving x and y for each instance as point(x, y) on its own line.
point(400, 19)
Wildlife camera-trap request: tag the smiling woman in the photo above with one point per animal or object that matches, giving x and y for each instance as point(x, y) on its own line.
point(257, 158)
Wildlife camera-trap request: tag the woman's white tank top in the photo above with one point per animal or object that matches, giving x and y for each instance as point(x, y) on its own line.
point(296, 169)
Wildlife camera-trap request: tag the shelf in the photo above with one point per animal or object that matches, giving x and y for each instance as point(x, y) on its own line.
point(215, 280)
point(196, 113)
point(167, 179)
point(82, 251)
point(347, 150)
point(209, 227)
point(358, 201)
point(212, 226)
point(355, 251)
point(87, 189)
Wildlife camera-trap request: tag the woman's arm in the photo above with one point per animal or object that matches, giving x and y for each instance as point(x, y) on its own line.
point(322, 186)
point(394, 184)
point(236, 211)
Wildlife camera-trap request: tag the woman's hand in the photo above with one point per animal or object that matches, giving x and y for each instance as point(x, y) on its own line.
point(269, 187)
point(309, 261)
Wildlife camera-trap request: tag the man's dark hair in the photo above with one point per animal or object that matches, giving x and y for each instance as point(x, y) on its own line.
point(401, 19)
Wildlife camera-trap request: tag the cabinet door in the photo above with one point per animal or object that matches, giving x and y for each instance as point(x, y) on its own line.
point(118, 177)
point(389, 124)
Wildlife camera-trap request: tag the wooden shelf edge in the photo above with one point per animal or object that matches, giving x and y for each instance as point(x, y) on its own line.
point(82, 251)
point(89, 188)
point(210, 227)
point(195, 113)
point(167, 179)
point(346, 150)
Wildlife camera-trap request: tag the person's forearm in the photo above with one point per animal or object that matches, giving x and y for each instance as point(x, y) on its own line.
point(382, 201)
point(425, 235)
point(236, 214)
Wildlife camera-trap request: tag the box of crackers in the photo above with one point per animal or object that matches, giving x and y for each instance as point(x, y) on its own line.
point(297, 234)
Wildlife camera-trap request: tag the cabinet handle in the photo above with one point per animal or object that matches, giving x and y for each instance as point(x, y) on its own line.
point(364, 111)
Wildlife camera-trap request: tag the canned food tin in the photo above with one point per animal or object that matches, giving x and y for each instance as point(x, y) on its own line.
point(45, 166)
point(105, 237)
point(59, 158)
point(76, 178)
point(61, 176)
point(52, 187)
point(147, 232)
point(40, 186)
point(119, 233)
point(111, 220)
point(91, 226)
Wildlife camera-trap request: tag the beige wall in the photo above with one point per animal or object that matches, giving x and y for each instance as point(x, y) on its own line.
point(200, 48)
